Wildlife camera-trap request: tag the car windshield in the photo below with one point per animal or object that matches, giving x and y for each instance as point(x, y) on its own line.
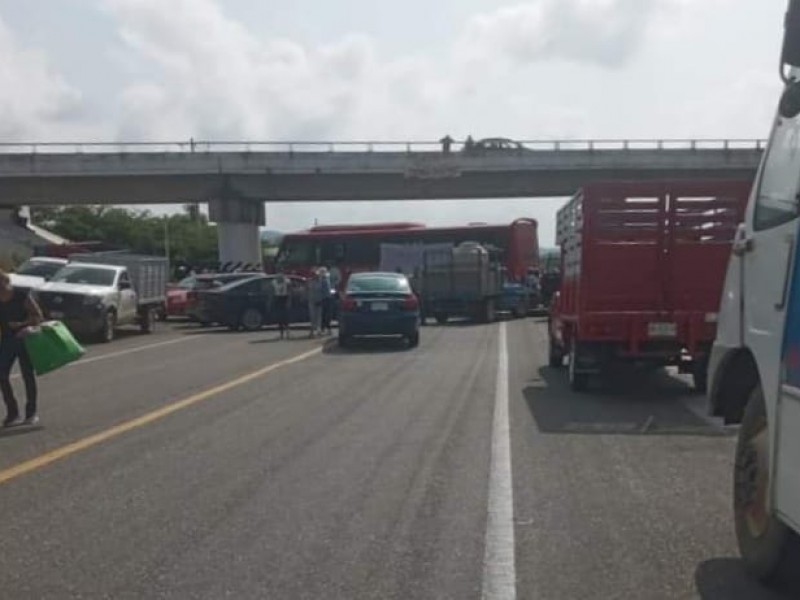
point(38, 268)
point(378, 283)
point(85, 275)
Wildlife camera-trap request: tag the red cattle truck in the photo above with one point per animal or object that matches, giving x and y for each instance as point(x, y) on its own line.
point(642, 266)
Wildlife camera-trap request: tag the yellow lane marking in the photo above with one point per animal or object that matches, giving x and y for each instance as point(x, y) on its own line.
point(63, 452)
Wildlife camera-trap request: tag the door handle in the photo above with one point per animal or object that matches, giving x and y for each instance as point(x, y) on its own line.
point(788, 273)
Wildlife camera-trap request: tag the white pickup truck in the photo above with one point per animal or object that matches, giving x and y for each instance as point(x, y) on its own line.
point(754, 368)
point(36, 271)
point(97, 293)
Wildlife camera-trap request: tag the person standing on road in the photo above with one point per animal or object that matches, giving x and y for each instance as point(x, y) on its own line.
point(326, 292)
point(315, 303)
point(281, 301)
point(17, 311)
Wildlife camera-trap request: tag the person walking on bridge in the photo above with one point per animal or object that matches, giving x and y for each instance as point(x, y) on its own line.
point(17, 311)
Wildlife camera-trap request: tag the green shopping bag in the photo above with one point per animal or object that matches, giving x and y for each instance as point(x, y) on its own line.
point(51, 346)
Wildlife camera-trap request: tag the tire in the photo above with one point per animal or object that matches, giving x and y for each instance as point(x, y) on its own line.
point(488, 312)
point(441, 318)
point(148, 317)
point(251, 319)
point(578, 382)
point(413, 339)
point(769, 549)
point(107, 331)
point(521, 310)
point(556, 357)
point(344, 341)
point(700, 377)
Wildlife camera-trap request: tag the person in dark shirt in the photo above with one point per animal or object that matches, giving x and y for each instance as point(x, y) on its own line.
point(17, 311)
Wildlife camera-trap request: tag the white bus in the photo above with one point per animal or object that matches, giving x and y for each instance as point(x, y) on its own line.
point(754, 370)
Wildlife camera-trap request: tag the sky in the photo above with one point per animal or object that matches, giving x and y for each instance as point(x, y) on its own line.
point(151, 70)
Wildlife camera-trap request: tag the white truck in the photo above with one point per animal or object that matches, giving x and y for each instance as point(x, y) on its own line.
point(754, 367)
point(94, 294)
point(36, 271)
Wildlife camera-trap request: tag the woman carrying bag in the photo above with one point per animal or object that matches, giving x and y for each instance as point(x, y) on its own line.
point(17, 311)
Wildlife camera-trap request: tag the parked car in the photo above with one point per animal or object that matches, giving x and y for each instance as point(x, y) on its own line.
point(379, 304)
point(36, 271)
point(182, 296)
point(247, 304)
point(114, 289)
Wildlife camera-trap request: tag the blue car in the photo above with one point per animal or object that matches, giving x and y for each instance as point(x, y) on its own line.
point(379, 304)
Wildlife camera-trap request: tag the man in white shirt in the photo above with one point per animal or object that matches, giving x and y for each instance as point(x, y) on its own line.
point(280, 299)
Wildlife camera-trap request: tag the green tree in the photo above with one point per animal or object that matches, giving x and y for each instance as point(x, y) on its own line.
point(191, 238)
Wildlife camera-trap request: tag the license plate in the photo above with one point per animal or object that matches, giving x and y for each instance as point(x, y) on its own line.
point(380, 306)
point(56, 314)
point(662, 330)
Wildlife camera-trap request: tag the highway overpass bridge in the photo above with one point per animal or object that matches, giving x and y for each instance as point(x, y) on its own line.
point(237, 178)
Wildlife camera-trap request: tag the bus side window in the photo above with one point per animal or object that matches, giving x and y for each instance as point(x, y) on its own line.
point(777, 193)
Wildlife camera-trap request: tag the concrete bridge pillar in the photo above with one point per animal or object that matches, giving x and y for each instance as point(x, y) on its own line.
point(238, 222)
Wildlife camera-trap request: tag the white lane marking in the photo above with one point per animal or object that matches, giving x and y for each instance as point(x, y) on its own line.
point(499, 569)
point(86, 361)
point(93, 359)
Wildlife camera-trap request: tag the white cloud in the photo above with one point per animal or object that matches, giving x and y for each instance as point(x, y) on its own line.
point(213, 78)
point(35, 102)
point(603, 32)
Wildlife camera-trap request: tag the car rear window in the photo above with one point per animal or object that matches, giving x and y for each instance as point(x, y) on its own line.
point(378, 283)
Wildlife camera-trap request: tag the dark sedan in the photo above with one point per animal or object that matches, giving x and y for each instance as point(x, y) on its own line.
point(248, 304)
point(379, 304)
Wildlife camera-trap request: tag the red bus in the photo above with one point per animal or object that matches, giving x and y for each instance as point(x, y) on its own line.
point(354, 248)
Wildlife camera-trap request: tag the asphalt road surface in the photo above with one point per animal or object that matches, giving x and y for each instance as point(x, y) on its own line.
point(202, 464)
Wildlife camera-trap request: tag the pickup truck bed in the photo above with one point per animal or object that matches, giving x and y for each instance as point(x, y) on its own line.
point(642, 273)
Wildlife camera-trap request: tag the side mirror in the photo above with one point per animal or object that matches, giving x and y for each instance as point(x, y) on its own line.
point(789, 106)
point(790, 54)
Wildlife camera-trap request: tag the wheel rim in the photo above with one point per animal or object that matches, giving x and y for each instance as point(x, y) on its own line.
point(752, 481)
point(251, 319)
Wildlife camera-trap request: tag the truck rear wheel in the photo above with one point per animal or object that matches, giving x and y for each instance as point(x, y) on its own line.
point(147, 319)
point(520, 310)
point(556, 358)
point(700, 376)
point(578, 381)
point(488, 312)
point(769, 548)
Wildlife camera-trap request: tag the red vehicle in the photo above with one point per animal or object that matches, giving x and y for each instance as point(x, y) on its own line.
point(182, 297)
point(357, 248)
point(642, 267)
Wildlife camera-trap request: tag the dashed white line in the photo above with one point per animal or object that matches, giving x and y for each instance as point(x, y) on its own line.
point(499, 569)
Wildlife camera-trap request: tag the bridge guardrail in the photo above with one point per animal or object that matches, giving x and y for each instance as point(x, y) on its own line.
point(293, 147)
